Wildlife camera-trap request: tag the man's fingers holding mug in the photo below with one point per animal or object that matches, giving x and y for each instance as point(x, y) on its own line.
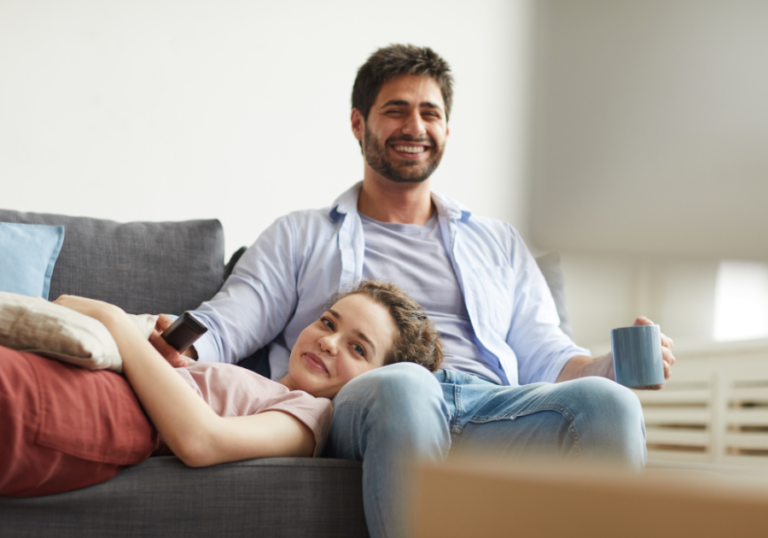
point(667, 370)
point(667, 355)
point(642, 320)
point(666, 341)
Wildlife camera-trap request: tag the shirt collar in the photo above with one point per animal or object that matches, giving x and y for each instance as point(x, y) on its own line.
point(347, 203)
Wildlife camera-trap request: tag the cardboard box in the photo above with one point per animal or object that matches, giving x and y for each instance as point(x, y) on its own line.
point(485, 496)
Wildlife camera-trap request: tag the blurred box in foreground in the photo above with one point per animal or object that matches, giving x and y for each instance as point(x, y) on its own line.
point(487, 497)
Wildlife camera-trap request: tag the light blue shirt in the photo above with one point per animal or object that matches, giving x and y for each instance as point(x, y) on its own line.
point(284, 280)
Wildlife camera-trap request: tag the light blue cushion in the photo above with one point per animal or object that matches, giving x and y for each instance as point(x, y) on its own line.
point(28, 253)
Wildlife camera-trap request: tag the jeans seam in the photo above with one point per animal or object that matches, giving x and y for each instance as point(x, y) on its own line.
point(456, 426)
point(572, 431)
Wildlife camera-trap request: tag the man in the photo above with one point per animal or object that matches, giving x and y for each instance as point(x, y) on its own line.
point(474, 276)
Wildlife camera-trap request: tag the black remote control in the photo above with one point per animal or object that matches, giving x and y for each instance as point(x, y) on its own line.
point(184, 332)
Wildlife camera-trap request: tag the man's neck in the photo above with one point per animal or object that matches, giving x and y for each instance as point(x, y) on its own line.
point(402, 203)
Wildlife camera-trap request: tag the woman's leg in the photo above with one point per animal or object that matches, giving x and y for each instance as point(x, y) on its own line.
point(64, 428)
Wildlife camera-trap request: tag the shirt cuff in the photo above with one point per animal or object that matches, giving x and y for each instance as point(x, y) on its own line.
point(206, 349)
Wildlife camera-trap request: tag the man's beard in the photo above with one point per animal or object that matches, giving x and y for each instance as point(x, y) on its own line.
point(412, 172)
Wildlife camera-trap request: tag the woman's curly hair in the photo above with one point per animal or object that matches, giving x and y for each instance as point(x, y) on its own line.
point(417, 339)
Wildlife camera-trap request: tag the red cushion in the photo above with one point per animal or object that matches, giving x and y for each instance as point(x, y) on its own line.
point(62, 427)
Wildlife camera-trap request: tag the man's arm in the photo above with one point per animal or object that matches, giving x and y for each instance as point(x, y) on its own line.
point(253, 306)
point(581, 366)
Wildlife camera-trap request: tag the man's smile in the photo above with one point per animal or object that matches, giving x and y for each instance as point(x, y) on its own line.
point(409, 149)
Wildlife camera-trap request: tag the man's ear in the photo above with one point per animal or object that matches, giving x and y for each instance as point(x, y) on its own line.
point(358, 124)
point(447, 131)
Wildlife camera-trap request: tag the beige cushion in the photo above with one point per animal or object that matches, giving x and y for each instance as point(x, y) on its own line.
point(38, 326)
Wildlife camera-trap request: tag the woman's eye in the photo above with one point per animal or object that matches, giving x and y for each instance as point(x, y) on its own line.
point(359, 350)
point(327, 322)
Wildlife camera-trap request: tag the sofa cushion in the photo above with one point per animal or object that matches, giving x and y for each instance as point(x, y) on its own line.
point(143, 267)
point(29, 253)
point(275, 497)
point(549, 264)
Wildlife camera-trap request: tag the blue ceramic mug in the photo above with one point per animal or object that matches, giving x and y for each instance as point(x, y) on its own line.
point(637, 359)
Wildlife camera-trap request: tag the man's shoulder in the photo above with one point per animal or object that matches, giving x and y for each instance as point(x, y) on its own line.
point(308, 218)
point(497, 228)
point(329, 215)
point(464, 216)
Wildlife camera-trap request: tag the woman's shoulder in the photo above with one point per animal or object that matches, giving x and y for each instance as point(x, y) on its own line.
point(231, 390)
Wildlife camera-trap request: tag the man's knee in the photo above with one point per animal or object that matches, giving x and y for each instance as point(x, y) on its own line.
point(397, 386)
point(398, 406)
point(597, 396)
point(610, 421)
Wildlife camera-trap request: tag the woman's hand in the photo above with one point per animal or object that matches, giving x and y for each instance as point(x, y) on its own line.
point(90, 307)
point(169, 353)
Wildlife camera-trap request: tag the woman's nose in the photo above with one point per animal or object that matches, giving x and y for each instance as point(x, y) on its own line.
point(329, 344)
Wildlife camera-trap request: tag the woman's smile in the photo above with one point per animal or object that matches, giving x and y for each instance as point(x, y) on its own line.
point(316, 363)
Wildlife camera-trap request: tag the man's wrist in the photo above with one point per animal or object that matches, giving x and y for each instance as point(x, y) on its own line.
point(583, 366)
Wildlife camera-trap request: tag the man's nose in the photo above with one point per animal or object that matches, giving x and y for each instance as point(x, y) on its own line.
point(414, 125)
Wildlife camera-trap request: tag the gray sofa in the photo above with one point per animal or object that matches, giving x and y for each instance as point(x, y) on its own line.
point(171, 267)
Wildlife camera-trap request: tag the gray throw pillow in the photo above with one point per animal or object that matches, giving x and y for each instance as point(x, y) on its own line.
point(553, 274)
point(143, 267)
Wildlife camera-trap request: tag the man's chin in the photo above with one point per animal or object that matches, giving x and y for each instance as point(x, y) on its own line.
point(409, 174)
point(401, 179)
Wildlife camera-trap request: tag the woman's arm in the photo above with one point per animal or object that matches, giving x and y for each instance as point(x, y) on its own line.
point(192, 430)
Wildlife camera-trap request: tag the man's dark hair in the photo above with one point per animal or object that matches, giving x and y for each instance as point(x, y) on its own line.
point(393, 61)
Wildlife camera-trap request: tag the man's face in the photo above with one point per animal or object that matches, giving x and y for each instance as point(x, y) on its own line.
point(405, 134)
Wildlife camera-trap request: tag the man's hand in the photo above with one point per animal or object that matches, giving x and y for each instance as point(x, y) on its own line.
point(176, 359)
point(666, 352)
point(582, 366)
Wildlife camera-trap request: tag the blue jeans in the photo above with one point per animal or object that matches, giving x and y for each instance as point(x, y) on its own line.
point(392, 414)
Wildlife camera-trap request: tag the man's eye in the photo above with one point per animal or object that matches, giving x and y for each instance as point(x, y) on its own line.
point(359, 350)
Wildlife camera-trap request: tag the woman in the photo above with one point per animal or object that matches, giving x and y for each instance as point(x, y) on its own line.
point(62, 428)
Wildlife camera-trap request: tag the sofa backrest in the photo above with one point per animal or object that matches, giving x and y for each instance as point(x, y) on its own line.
point(143, 267)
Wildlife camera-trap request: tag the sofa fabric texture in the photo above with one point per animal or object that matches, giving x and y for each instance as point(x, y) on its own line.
point(161, 497)
point(143, 267)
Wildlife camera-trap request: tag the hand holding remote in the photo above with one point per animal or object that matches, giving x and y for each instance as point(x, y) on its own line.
point(184, 332)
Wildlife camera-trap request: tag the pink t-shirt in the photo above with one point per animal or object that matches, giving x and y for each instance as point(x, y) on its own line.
point(232, 391)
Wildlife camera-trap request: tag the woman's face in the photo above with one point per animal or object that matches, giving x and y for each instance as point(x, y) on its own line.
point(352, 337)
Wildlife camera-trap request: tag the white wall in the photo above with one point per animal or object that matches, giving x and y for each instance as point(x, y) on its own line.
point(652, 127)
point(650, 159)
point(180, 109)
point(604, 291)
